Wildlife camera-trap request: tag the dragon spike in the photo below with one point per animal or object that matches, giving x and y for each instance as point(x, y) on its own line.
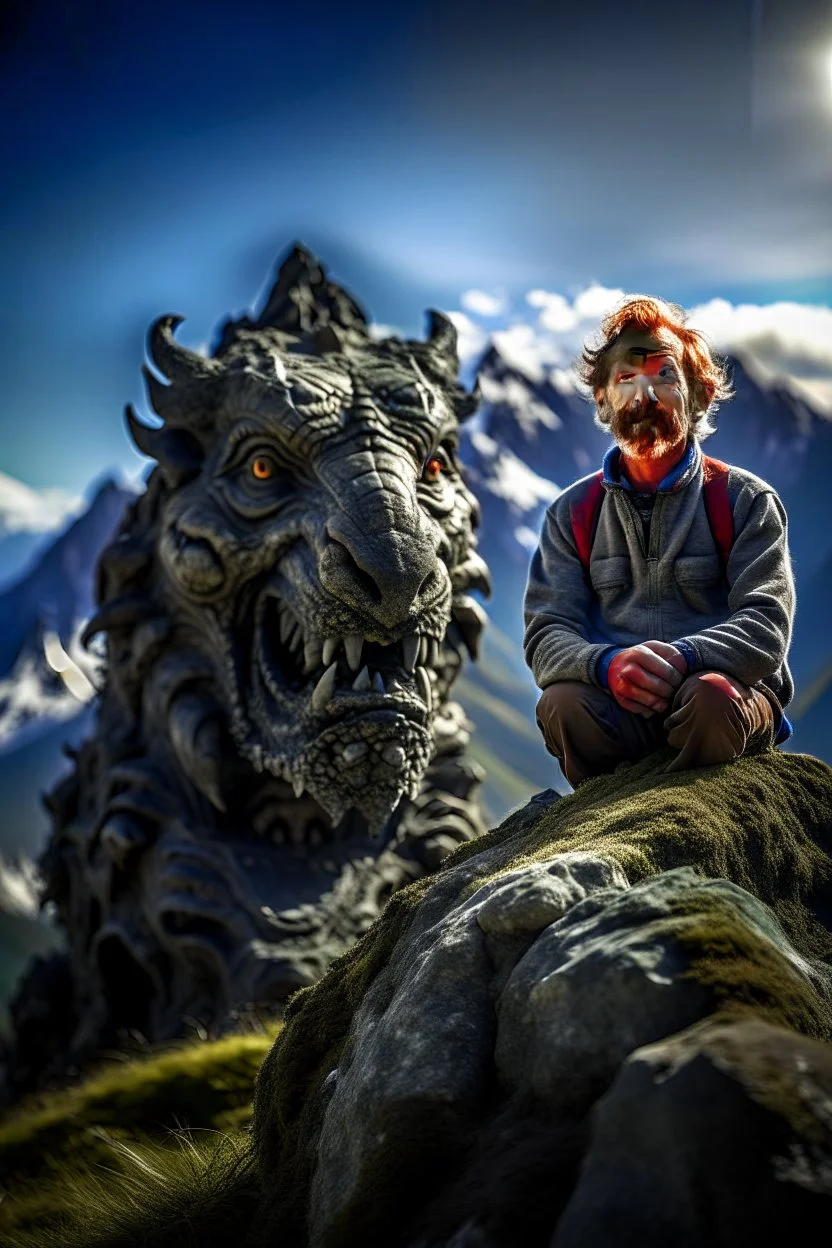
point(177, 452)
point(442, 337)
point(147, 439)
point(467, 402)
point(161, 396)
point(174, 361)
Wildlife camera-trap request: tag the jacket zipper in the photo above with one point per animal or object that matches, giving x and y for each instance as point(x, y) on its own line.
point(654, 613)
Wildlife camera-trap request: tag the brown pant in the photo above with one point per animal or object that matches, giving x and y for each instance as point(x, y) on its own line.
point(589, 733)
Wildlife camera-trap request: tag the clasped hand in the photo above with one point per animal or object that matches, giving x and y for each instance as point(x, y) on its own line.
point(644, 678)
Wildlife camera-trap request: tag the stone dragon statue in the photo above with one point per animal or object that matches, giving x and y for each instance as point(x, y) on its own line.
point(286, 608)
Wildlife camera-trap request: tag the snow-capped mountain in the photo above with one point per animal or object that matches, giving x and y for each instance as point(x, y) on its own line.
point(57, 592)
point(29, 520)
point(47, 679)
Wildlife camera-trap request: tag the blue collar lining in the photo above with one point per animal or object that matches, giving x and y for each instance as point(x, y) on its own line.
point(614, 477)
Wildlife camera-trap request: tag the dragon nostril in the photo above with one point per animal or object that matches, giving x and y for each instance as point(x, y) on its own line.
point(357, 573)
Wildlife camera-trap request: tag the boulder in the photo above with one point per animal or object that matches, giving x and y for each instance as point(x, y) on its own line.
point(563, 1036)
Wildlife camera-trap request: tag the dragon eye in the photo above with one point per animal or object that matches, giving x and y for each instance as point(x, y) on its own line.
point(263, 467)
point(433, 469)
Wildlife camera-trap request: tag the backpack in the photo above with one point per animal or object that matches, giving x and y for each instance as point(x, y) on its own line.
point(584, 511)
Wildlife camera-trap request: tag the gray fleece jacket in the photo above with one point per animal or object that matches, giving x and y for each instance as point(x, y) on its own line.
point(739, 622)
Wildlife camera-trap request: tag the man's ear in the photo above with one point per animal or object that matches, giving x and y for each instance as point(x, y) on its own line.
point(599, 393)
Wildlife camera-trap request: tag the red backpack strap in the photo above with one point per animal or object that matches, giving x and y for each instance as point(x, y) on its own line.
point(583, 515)
point(718, 505)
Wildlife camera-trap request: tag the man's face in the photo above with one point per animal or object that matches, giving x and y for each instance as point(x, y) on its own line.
point(645, 399)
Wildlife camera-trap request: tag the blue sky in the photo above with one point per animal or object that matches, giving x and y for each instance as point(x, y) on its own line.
point(160, 157)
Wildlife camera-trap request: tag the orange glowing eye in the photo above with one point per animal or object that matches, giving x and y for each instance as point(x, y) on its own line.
point(262, 468)
point(434, 467)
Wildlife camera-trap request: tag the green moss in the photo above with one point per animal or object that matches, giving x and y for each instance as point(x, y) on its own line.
point(84, 1158)
point(744, 972)
point(197, 1085)
point(763, 822)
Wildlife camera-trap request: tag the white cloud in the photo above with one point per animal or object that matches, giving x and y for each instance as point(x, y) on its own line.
point(482, 304)
point(557, 313)
point(26, 510)
point(596, 301)
point(526, 537)
point(378, 330)
point(793, 340)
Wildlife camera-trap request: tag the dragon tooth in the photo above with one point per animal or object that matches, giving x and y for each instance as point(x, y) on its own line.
point(362, 681)
point(312, 655)
point(286, 623)
point(297, 786)
point(296, 636)
point(423, 687)
point(423, 651)
point(330, 646)
point(324, 689)
point(433, 652)
point(410, 650)
point(353, 645)
point(378, 682)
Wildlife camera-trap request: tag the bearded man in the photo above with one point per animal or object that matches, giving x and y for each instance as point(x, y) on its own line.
point(660, 600)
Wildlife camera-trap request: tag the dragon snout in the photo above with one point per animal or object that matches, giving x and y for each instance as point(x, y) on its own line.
point(390, 576)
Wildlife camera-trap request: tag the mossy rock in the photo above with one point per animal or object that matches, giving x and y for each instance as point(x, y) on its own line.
point(763, 823)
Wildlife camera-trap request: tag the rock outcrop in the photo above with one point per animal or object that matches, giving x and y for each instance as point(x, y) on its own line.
point(605, 1023)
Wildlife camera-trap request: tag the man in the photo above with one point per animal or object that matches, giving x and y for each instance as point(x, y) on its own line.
point(637, 630)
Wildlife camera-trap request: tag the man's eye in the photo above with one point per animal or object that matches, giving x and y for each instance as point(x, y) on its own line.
point(262, 467)
point(625, 377)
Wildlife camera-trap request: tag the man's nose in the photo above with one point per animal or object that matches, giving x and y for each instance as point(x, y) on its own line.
point(643, 389)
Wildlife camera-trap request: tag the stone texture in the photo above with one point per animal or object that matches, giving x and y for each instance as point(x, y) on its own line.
point(483, 1030)
point(610, 976)
point(721, 1135)
point(421, 1045)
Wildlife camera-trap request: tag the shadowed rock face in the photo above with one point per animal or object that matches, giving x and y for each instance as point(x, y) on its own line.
point(565, 1037)
point(286, 609)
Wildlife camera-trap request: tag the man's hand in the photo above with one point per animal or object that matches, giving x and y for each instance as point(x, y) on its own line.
point(644, 678)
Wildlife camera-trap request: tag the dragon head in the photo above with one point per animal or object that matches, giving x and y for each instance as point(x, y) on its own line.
point(315, 544)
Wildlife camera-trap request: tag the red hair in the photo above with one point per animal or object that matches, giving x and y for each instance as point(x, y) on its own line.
point(705, 372)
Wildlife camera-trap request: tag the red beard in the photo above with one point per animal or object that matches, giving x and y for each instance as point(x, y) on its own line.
point(645, 429)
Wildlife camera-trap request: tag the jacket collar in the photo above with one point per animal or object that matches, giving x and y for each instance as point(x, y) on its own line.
point(678, 477)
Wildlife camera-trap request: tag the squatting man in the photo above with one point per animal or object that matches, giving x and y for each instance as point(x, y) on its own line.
point(660, 600)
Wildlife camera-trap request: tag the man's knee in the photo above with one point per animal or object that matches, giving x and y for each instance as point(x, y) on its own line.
point(716, 718)
point(712, 693)
point(568, 698)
